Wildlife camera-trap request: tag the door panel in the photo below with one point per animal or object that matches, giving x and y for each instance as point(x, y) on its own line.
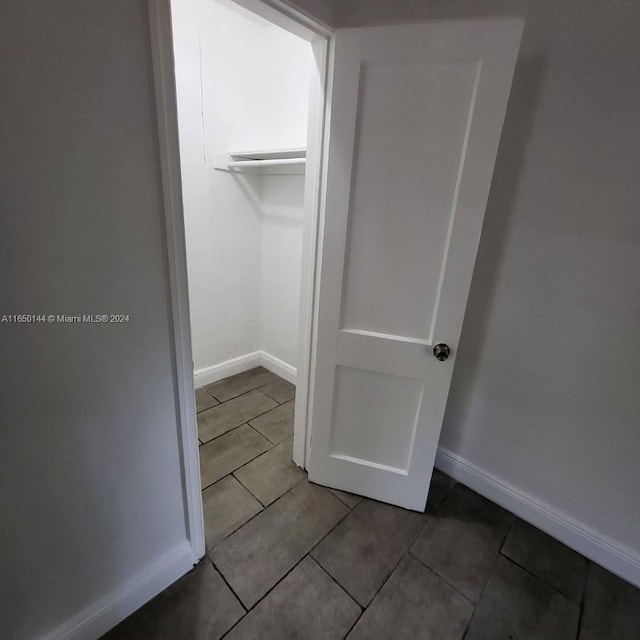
point(366, 402)
point(395, 252)
point(413, 129)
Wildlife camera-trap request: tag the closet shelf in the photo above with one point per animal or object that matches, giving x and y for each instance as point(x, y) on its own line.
point(270, 161)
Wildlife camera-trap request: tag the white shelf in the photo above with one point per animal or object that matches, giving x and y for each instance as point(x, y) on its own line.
point(266, 161)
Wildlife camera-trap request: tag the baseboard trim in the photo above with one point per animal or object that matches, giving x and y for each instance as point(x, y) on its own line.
point(209, 375)
point(279, 367)
point(105, 613)
point(602, 550)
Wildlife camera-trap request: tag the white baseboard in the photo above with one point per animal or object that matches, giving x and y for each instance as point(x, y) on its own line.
point(104, 614)
point(209, 375)
point(602, 550)
point(279, 367)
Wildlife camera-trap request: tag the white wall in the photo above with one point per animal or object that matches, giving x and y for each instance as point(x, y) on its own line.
point(545, 392)
point(242, 84)
point(90, 486)
point(282, 217)
point(222, 219)
point(284, 120)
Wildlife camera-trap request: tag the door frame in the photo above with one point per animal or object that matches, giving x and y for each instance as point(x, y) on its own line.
point(161, 42)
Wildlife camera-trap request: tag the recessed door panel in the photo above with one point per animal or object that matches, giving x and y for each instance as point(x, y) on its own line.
point(375, 417)
point(410, 133)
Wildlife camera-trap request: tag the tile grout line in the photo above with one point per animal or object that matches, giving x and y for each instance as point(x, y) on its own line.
point(259, 415)
point(308, 553)
point(236, 396)
point(362, 609)
point(426, 566)
point(275, 399)
point(256, 388)
point(405, 553)
point(233, 429)
point(207, 550)
point(476, 604)
point(284, 577)
point(341, 500)
point(540, 578)
point(428, 516)
point(386, 579)
point(256, 514)
point(264, 506)
point(583, 599)
point(244, 393)
point(275, 444)
point(248, 609)
point(235, 595)
point(257, 602)
point(247, 462)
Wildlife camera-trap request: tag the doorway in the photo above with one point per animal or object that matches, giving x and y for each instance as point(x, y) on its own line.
point(387, 313)
point(249, 85)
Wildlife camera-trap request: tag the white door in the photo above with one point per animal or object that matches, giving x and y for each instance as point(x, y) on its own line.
point(413, 130)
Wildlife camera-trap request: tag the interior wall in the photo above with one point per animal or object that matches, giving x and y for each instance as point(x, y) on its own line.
point(221, 213)
point(90, 489)
point(242, 85)
point(282, 218)
point(284, 111)
point(544, 396)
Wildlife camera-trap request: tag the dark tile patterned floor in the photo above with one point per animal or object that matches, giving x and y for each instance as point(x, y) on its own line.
point(289, 560)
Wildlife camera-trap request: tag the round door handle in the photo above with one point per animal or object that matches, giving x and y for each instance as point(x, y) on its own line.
point(441, 351)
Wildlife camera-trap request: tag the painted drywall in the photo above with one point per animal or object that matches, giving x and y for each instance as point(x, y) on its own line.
point(90, 489)
point(282, 218)
point(222, 217)
point(242, 85)
point(545, 391)
point(284, 110)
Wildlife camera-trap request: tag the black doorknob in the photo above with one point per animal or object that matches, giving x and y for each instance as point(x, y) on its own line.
point(441, 351)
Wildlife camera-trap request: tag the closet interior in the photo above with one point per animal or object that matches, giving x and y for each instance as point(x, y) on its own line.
point(242, 92)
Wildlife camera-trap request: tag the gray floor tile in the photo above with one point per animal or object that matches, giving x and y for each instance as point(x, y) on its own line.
point(461, 543)
point(199, 606)
point(439, 488)
point(611, 607)
point(227, 506)
point(234, 386)
point(229, 452)
point(272, 474)
point(307, 605)
point(229, 415)
point(518, 605)
point(550, 560)
point(366, 547)
point(280, 390)
point(258, 555)
point(414, 603)
point(349, 499)
point(277, 424)
point(204, 401)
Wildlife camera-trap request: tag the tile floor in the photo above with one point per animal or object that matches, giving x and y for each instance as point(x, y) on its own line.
point(289, 560)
